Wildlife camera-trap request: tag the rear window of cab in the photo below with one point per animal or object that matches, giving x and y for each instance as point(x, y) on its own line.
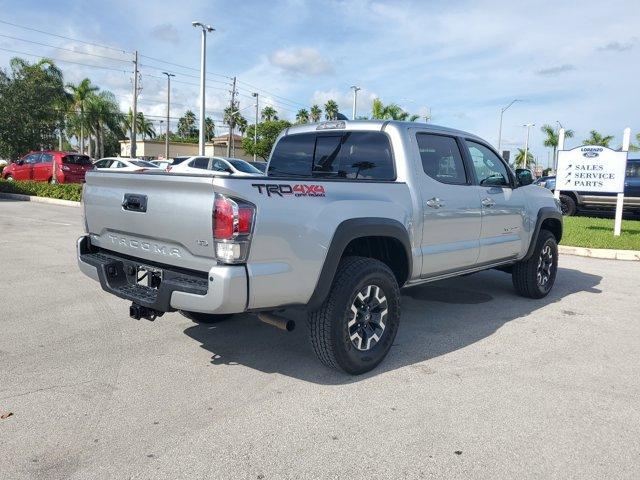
point(340, 155)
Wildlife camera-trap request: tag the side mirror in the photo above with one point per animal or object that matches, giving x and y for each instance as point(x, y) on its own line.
point(524, 176)
point(19, 162)
point(228, 170)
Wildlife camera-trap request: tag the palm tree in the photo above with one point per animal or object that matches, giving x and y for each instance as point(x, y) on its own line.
point(269, 114)
point(241, 123)
point(331, 110)
point(209, 129)
point(81, 93)
point(145, 127)
point(302, 116)
point(187, 125)
point(315, 113)
point(551, 137)
point(391, 111)
point(520, 158)
point(596, 138)
point(103, 115)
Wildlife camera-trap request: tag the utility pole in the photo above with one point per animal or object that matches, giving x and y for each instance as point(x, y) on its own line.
point(203, 56)
point(355, 100)
point(134, 108)
point(231, 118)
point(166, 140)
point(502, 110)
point(255, 128)
point(526, 142)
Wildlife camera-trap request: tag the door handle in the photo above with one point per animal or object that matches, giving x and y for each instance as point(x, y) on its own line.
point(434, 202)
point(488, 202)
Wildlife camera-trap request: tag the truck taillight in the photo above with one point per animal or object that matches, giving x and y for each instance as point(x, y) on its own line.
point(232, 228)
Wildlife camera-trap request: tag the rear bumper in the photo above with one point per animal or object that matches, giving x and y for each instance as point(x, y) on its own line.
point(223, 290)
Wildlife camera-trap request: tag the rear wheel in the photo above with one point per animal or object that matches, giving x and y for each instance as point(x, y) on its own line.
point(205, 317)
point(355, 327)
point(535, 277)
point(568, 205)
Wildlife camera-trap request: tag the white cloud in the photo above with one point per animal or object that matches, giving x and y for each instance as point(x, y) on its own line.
point(304, 60)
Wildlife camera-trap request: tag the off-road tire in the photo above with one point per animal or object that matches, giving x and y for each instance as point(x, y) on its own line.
point(568, 205)
point(328, 326)
point(525, 273)
point(205, 317)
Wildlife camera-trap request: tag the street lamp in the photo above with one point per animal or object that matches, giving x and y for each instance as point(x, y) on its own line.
point(166, 140)
point(203, 54)
point(255, 128)
point(526, 142)
point(502, 110)
point(355, 99)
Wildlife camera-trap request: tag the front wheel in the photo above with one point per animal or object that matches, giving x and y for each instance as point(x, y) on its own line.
point(535, 277)
point(355, 327)
point(9, 178)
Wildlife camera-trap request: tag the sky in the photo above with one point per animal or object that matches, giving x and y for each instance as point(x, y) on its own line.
point(573, 62)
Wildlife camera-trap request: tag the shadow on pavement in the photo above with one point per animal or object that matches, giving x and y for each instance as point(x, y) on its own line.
point(437, 318)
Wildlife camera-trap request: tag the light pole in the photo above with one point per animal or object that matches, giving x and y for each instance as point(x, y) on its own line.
point(203, 55)
point(526, 142)
point(502, 110)
point(166, 140)
point(255, 128)
point(355, 100)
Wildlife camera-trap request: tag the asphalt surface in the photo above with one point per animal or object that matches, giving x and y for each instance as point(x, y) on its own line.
point(480, 383)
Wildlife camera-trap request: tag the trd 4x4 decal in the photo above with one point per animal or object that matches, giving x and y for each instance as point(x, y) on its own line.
point(282, 189)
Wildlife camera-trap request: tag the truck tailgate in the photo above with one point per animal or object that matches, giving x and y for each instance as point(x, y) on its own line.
point(167, 219)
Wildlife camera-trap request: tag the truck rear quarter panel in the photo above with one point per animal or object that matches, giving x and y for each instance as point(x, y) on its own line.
point(293, 231)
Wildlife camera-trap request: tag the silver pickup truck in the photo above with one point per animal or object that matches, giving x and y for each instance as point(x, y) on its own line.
point(347, 214)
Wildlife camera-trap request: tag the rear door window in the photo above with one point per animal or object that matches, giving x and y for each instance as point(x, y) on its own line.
point(200, 162)
point(348, 155)
point(633, 169)
point(441, 158)
point(33, 158)
point(76, 160)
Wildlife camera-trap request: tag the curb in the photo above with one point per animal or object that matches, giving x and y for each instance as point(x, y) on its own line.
point(30, 198)
point(606, 253)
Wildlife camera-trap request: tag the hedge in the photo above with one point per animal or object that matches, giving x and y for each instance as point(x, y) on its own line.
point(67, 191)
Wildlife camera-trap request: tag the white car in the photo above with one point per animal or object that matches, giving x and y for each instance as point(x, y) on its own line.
point(124, 164)
point(223, 165)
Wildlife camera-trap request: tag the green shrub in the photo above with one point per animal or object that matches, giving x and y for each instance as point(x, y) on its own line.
point(68, 191)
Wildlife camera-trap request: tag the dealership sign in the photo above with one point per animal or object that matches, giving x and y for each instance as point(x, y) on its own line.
point(591, 168)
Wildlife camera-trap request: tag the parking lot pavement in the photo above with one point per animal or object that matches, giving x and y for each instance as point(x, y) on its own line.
point(480, 383)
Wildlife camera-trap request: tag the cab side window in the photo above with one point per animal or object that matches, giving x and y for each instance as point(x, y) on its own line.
point(490, 170)
point(441, 158)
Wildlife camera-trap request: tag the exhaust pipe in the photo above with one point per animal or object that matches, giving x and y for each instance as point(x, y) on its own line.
point(277, 321)
point(138, 311)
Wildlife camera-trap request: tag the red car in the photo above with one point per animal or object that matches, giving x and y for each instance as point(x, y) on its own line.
point(70, 167)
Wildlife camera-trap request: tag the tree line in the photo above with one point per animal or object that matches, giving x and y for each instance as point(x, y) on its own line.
point(38, 110)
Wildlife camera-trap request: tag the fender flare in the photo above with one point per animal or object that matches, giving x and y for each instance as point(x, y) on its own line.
point(544, 213)
point(347, 231)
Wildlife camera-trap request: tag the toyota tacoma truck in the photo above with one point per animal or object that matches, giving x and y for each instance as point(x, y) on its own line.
point(347, 214)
